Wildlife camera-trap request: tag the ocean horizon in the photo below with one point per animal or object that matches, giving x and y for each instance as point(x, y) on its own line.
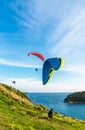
point(56, 101)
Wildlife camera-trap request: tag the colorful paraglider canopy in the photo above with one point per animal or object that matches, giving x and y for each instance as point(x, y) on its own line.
point(13, 82)
point(49, 66)
point(37, 54)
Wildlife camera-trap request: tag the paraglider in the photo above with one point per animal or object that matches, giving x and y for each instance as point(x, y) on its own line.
point(36, 69)
point(50, 113)
point(13, 82)
point(49, 66)
point(37, 54)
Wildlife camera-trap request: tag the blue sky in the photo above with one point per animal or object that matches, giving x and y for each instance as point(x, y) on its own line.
point(55, 28)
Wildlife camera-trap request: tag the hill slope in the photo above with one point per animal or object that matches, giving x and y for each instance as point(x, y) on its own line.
point(18, 113)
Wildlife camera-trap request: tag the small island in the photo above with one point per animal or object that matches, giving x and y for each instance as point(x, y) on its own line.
point(75, 98)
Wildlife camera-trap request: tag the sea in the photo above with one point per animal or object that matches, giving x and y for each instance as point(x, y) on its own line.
point(56, 101)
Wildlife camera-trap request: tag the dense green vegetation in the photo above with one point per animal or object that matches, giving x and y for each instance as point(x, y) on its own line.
point(77, 97)
point(18, 113)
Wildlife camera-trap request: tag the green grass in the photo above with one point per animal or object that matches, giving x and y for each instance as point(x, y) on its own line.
point(17, 115)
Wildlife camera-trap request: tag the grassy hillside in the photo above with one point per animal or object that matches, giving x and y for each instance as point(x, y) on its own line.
point(18, 113)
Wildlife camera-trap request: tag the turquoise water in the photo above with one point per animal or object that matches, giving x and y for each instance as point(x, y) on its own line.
point(55, 101)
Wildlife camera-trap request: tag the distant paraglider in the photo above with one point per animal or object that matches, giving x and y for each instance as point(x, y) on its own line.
point(14, 82)
point(49, 66)
point(36, 69)
point(39, 55)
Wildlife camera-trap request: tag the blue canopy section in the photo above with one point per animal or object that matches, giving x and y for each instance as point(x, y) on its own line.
point(46, 69)
point(55, 62)
point(49, 66)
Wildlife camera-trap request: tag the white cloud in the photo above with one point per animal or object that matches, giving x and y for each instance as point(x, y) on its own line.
point(74, 36)
point(18, 64)
point(35, 85)
point(79, 69)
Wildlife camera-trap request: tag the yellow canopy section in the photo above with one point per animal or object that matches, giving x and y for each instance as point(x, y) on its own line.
point(61, 64)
